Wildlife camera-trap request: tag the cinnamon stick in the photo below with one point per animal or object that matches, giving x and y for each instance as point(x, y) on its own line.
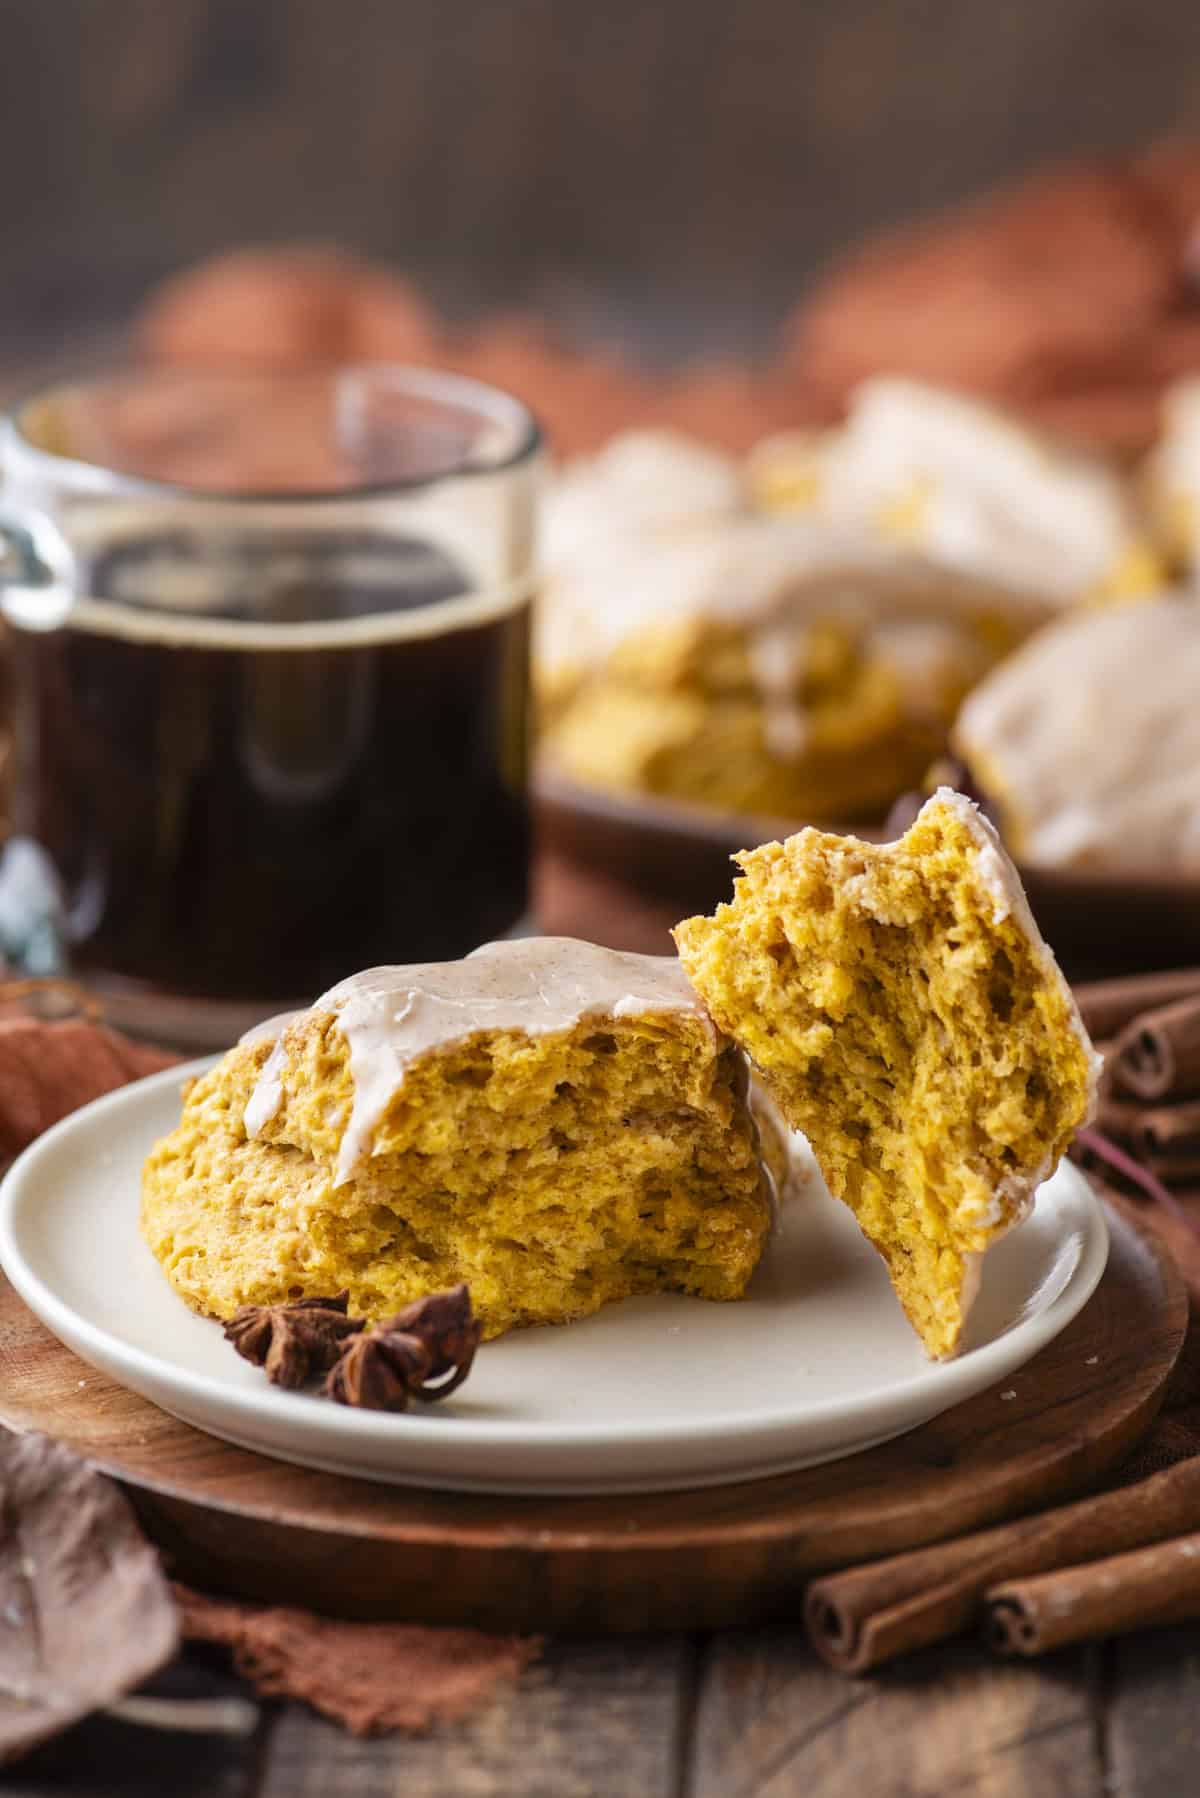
point(1158, 1054)
point(867, 1615)
point(1119, 1117)
point(1174, 1170)
point(1168, 1132)
point(1150, 1586)
point(1109, 1005)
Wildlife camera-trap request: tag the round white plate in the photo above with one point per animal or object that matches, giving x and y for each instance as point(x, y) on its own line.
point(654, 1393)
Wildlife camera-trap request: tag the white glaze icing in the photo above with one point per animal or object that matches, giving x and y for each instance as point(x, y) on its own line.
point(1090, 738)
point(641, 481)
point(653, 538)
point(267, 1097)
point(1174, 467)
point(264, 1102)
point(991, 871)
point(995, 870)
point(392, 1016)
point(771, 578)
point(986, 495)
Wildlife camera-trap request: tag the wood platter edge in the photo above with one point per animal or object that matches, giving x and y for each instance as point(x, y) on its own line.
point(238, 1522)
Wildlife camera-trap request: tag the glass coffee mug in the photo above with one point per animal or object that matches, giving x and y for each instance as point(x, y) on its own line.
point(268, 655)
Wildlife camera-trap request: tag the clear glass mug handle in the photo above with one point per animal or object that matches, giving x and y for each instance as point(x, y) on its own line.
point(37, 570)
point(37, 582)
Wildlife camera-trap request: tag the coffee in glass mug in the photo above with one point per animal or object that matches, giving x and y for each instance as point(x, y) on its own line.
point(268, 648)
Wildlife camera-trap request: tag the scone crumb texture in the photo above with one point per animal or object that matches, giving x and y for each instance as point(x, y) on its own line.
point(552, 1123)
point(904, 1011)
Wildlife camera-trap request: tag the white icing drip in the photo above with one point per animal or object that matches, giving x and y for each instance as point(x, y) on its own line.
point(990, 870)
point(776, 654)
point(270, 1029)
point(264, 1102)
point(391, 1017)
point(267, 1096)
point(988, 496)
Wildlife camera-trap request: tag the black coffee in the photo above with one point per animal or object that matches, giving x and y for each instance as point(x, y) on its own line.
point(245, 821)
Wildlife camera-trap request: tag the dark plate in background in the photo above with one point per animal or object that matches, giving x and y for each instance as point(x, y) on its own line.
point(676, 852)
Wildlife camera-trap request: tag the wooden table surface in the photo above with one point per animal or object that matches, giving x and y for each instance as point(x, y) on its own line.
point(750, 1715)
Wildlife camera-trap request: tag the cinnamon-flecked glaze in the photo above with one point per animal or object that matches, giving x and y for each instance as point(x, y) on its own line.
point(392, 1016)
point(1088, 740)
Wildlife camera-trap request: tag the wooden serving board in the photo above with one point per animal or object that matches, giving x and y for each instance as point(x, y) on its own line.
point(236, 1521)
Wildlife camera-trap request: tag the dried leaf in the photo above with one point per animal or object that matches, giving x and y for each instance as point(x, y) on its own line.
point(85, 1612)
point(369, 1677)
point(50, 1069)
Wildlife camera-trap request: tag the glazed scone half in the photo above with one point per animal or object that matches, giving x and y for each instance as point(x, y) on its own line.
point(906, 1015)
point(644, 487)
point(557, 1124)
point(972, 487)
point(764, 664)
point(1087, 741)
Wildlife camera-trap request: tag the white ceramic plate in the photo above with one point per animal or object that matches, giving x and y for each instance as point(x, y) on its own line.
point(651, 1394)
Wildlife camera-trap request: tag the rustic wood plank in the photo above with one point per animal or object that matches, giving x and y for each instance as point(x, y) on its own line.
point(593, 1720)
point(1153, 1714)
point(773, 1722)
point(106, 1758)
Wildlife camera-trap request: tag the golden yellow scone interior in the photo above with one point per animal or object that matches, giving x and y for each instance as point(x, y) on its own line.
point(556, 1124)
point(908, 1018)
point(793, 667)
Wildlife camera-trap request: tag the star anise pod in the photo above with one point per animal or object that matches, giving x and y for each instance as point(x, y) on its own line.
point(294, 1342)
point(450, 1330)
point(424, 1352)
point(379, 1371)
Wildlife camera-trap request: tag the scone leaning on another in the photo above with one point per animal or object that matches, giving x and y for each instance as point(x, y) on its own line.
point(906, 1015)
point(554, 1123)
point(1087, 741)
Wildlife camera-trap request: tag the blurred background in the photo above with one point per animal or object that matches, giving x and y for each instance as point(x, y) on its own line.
point(700, 242)
point(668, 175)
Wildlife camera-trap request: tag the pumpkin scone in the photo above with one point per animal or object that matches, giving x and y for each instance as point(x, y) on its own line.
point(1087, 741)
point(906, 1015)
point(971, 487)
point(555, 1123)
